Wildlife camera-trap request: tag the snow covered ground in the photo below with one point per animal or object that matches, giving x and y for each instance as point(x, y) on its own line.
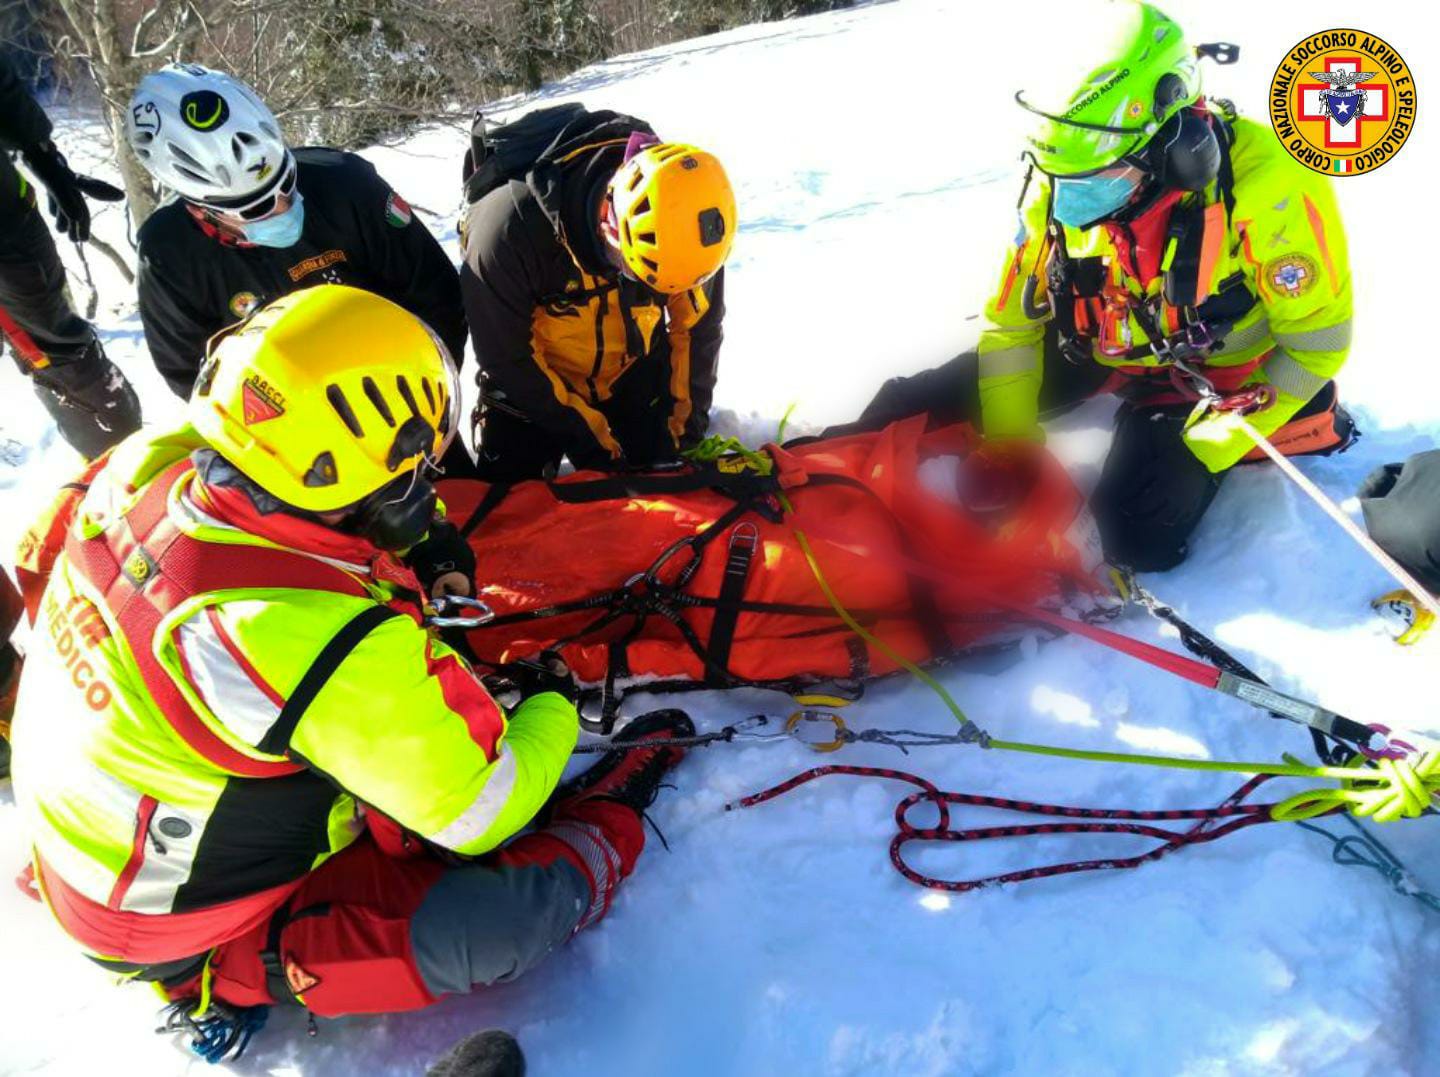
point(874, 153)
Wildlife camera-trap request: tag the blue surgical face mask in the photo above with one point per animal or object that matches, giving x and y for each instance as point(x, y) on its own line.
point(1081, 201)
point(281, 230)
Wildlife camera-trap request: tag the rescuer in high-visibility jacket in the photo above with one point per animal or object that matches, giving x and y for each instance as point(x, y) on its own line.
point(238, 742)
point(1161, 237)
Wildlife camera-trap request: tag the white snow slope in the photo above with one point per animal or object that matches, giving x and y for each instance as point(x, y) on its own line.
point(874, 152)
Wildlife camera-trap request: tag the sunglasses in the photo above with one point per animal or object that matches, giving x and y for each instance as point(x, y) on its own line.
point(266, 204)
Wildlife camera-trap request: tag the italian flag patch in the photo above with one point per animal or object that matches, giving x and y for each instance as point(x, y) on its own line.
point(398, 213)
point(1343, 165)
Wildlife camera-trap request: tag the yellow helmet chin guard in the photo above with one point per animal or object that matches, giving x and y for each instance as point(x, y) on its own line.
point(326, 395)
point(674, 216)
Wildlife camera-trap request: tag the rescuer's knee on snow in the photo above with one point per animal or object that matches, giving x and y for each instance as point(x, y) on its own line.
point(1152, 492)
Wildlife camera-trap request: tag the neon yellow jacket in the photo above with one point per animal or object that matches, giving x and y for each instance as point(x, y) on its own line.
point(1285, 238)
point(123, 812)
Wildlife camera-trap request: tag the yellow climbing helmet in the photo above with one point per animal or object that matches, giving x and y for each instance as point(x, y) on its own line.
point(327, 395)
point(674, 216)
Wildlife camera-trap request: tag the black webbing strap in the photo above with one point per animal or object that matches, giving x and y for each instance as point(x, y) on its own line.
point(170, 974)
point(739, 485)
point(1330, 752)
point(489, 503)
point(277, 740)
point(743, 544)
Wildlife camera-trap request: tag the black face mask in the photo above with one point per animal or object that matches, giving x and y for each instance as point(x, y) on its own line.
point(396, 516)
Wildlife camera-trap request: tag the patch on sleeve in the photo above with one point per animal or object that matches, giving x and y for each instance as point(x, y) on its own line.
point(298, 980)
point(243, 304)
point(398, 213)
point(1291, 275)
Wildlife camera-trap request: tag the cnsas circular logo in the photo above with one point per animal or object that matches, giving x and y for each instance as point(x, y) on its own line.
point(1342, 102)
point(204, 110)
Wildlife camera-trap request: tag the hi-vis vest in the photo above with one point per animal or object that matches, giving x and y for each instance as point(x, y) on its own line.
point(1271, 273)
point(203, 711)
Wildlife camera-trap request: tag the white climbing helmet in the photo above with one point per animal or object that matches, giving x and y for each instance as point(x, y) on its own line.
point(205, 135)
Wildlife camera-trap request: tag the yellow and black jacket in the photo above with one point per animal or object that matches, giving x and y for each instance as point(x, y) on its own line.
point(558, 331)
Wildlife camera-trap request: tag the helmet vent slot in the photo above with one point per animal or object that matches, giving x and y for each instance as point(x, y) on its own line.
point(429, 394)
point(642, 206)
point(407, 394)
point(651, 264)
point(322, 472)
point(336, 396)
point(646, 237)
point(185, 158)
point(372, 391)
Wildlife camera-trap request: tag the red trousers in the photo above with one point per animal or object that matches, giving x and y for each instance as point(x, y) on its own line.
point(372, 933)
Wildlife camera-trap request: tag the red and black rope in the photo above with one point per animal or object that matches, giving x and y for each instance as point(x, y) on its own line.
point(1210, 824)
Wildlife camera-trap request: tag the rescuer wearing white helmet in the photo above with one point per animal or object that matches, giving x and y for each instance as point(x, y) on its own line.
point(254, 220)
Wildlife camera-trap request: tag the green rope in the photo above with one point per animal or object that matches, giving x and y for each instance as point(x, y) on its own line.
point(1383, 789)
point(784, 422)
point(715, 447)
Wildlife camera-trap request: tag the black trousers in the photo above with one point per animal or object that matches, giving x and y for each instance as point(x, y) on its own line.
point(1152, 492)
point(33, 296)
point(89, 399)
point(512, 448)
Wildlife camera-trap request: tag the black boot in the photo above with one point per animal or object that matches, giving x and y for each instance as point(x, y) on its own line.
point(90, 400)
point(630, 775)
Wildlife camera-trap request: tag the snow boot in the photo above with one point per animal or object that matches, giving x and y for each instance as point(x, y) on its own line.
point(90, 400)
point(629, 775)
point(491, 1053)
point(1321, 428)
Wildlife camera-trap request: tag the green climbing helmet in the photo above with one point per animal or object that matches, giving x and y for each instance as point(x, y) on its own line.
point(1147, 73)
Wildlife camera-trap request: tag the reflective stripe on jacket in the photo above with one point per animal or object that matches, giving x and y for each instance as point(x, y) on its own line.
point(1285, 244)
point(133, 814)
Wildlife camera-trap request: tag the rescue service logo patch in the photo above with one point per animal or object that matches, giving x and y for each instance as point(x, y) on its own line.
point(243, 304)
point(260, 400)
point(1342, 102)
point(1291, 275)
point(398, 213)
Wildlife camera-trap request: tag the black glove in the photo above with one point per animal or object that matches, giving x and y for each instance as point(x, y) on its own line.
point(443, 551)
point(548, 673)
point(68, 191)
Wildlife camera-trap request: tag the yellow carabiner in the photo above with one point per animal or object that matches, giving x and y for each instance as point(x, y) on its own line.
point(793, 723)
point(833, 702)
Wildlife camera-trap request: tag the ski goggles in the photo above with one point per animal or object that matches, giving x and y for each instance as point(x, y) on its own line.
point(1081, 201)
point(274, 199)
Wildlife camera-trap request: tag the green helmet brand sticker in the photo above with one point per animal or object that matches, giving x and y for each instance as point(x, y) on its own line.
point(204, 110)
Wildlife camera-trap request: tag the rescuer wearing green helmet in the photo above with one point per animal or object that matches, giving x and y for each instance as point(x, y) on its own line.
point(1167, 249)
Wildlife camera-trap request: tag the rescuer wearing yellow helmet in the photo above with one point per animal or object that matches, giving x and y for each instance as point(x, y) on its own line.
point(594, 289)
point(238, 738)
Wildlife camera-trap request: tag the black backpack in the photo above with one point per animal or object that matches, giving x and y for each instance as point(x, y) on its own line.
point(510, 151)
